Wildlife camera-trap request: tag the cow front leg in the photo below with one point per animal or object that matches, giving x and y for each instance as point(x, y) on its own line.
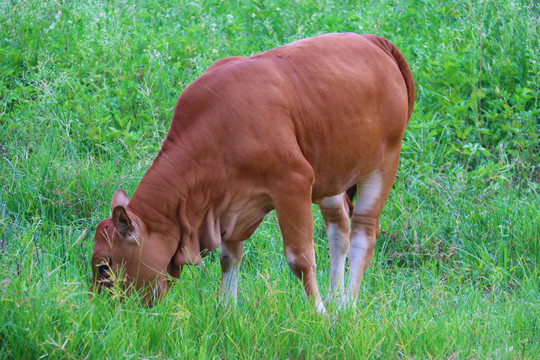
point(230, 259)
point(296, 223)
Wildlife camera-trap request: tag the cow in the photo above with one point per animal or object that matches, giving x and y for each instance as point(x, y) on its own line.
point(280, 130)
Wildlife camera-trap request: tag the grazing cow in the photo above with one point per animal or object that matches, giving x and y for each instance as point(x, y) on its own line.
point(298, 124)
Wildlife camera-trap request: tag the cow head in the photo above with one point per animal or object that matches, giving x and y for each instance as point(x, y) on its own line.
point(127, 255)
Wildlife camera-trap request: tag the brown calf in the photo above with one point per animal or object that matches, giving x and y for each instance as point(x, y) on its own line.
point(298, 124)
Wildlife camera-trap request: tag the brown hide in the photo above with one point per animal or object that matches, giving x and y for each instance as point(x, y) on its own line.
point(279, 129)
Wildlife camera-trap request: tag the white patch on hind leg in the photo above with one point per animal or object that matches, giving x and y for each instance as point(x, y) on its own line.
point(338, 256)
point(369, 190)
point(360, 255)
point(336, 216)
point(362, 243)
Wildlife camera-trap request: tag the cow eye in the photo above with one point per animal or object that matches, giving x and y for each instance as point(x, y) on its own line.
point(104, 267)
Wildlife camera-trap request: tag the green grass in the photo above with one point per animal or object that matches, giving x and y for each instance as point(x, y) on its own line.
point(86, 95)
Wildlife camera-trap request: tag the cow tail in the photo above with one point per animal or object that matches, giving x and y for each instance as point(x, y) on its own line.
point(393, 51)
point(406, 72)
point(409, 83)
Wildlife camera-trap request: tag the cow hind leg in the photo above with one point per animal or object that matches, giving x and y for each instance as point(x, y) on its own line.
point(230, 259)
point(372, 192)
point(335, 211)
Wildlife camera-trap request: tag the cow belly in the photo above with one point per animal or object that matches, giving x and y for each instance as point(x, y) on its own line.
point(241, 219)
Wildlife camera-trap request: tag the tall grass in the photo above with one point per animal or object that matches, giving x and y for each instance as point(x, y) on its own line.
point(86, 95)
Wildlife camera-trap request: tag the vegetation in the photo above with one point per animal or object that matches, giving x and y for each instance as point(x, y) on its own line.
point(87, 90)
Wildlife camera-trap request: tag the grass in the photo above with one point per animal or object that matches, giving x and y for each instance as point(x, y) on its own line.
point(86, 94)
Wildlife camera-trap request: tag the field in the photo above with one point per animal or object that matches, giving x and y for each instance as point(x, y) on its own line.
point(87, 90)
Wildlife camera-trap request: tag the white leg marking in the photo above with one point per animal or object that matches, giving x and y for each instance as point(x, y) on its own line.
point(229, 284)
point(319, 306)
point(338, 256)
point(290, 257)
point(332, 201)
point(337, 229)
point(357, 262)
point(362, 243)
point(229, 280)
point(369, 190)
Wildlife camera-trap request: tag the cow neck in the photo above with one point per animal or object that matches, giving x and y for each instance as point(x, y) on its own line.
point(175, 195)
point(184, 184)
point(157, 199)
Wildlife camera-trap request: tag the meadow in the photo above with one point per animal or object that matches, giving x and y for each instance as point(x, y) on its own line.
point(87, 90)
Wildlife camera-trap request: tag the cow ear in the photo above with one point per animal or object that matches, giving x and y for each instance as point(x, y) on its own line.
point(119, 198)
point(122, 222)
point(126, 227)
